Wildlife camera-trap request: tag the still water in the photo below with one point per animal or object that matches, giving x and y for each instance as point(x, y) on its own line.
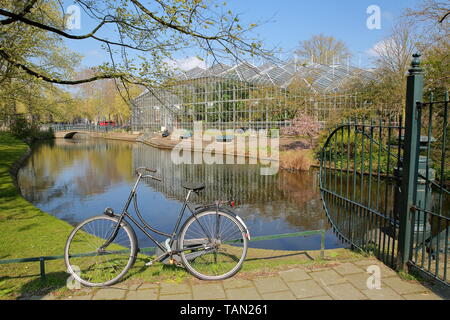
point(76, 179)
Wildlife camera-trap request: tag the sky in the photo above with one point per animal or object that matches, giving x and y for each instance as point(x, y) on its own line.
point(284, 23)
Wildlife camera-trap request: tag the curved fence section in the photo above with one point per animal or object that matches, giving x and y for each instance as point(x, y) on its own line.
point(358, 181)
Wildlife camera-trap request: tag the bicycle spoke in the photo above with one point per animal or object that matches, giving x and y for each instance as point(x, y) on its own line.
point(96, 265)
point(216, 259)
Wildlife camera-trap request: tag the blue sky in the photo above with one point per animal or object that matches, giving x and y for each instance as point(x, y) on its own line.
point(286, 22)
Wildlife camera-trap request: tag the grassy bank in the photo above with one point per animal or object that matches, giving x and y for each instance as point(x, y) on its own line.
point(25, 230)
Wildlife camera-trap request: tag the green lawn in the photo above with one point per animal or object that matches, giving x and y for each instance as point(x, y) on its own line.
point(25, 231)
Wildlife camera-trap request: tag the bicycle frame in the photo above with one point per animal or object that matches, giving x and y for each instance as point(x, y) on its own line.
point(144, 225)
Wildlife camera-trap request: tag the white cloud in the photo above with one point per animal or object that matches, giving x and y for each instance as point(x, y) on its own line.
point(187, 63)
point(379, 47)
point(387, 15)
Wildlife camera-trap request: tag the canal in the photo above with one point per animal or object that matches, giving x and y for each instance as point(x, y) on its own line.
point(74, 179)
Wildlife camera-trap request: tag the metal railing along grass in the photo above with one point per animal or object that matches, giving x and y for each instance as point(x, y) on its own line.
point(42, 260)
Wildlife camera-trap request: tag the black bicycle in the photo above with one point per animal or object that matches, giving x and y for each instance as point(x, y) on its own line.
point(211, 245)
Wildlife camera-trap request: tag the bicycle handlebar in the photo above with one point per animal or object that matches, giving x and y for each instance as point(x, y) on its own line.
point(139, 172)
point(146, 169)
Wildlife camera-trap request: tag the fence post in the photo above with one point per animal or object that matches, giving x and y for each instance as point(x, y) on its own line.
point(322, 244)
point(414, 95)
point(42, 267)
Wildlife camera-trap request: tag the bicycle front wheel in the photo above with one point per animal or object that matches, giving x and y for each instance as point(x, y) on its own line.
point(91, 264)
point(213, 245)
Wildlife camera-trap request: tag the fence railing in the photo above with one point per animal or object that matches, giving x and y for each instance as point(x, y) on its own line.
point(150, 250)
point(385, 185)
point(81, 127)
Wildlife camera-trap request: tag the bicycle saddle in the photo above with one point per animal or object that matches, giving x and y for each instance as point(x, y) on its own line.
point(193, 186)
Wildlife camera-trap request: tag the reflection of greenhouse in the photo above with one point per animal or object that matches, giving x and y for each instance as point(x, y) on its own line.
point(246, 96)
point(242, 183)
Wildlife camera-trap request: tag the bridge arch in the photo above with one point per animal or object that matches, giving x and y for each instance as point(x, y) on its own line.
point(70, 135)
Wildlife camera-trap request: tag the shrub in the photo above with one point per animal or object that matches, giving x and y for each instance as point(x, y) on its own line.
point(296, 160)
point(22, 129)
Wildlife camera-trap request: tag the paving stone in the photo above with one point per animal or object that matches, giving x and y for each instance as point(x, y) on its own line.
point(208, 292)
point(174, 288)
point(144, 286)
point(366, 262)
point(422, 296)
point(236, 283)
point(358, 280)
point(345, 292)
point(384, 270)
point(327, 277)
point(122, 285)
point(348, 268)
point(84, 297)
point(182, 296)
point(135, 286)
point(147, 294)
point(281, 295)
point(385, 293)
point(294, 275)
point(387, 272)
point(305, 289)
point(243, 294)
point(270, 284)
point(318, 298)
point(404, 287)
point(109, 294)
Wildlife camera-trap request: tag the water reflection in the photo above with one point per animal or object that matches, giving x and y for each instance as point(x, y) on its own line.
point(76, 179)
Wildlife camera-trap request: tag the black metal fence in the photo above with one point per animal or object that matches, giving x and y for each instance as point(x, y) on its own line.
point(385, 185)
point(357, 182)
point(430, 221)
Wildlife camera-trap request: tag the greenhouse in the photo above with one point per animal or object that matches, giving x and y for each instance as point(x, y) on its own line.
point(247, 96)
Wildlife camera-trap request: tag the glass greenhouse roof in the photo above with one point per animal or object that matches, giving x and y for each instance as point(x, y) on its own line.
point(318, 76)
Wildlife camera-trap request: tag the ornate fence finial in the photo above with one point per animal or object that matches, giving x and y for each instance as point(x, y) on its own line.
point(415, 64)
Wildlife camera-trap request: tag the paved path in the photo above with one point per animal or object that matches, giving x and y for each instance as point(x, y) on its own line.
point(345, 280)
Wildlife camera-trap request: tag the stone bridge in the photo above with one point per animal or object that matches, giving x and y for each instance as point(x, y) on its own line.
point(69, 133)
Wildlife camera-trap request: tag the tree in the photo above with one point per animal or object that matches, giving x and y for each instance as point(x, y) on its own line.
point(147, 35)
point(431, 19)
point(323, 49)
point(104, 100)
point(303, 125)
point(21, 92)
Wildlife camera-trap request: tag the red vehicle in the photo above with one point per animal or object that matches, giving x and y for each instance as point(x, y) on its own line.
point(107, 124)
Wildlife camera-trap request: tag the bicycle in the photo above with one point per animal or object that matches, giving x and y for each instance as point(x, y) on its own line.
point(211, 245)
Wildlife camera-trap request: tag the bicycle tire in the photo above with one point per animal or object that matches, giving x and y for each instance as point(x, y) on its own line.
point(124, 251)
point(192, 259)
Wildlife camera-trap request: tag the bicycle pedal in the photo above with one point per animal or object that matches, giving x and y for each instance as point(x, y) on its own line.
point(148, 264)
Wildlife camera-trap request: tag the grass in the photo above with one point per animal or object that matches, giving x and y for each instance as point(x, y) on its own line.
point(26, 231)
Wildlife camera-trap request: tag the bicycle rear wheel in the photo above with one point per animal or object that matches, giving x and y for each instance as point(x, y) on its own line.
point(213, 245)
point(93, 266)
